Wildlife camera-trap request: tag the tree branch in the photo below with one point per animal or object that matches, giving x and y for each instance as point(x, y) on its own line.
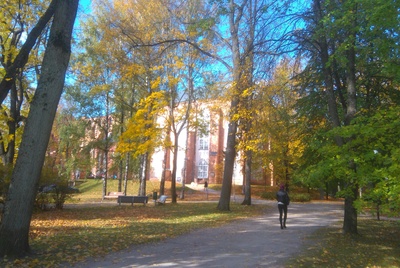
point(23, 55)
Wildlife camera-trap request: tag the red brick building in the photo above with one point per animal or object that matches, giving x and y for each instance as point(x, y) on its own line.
point(201, 152)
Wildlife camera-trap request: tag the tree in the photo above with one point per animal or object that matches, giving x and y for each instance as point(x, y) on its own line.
point(253, 25)
point(143, 133)
point(19, 19)
point(104, 72)
point(170, 66)
point(13, 67)
point(66, 147)
point(14, 229)
point(345, 59)
point(134, 72)
point(278, 146)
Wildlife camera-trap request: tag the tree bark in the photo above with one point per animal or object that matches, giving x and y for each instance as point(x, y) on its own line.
point(14, 229)
point(247, 183)
point(230, 156)
point(350, 213)
point(324, 55)
point(230, 153)
point(174, 169)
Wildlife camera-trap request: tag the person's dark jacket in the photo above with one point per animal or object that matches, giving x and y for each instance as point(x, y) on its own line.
point(283, 197)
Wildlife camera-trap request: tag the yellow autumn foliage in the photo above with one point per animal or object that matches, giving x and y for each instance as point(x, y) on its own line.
point(143, 132)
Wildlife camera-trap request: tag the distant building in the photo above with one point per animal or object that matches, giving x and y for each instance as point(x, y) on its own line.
point(201, 153)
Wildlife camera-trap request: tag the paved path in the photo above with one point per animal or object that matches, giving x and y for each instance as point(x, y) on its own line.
point(256, 242)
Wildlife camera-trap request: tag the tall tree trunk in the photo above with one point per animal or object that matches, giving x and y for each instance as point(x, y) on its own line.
point(230, 153)
point(247, 172)
point(185, 164)
point(350, 213)
point(107, 144)
point(166, 161)
point(248, 102)
point(174, 169)
point(145, 174)
point(14, 229)
point(120, 169)
point(120, 172)
point(162, 182)
point(127, 159)
point(324, 55)
point(230, 156)
point(142, 173)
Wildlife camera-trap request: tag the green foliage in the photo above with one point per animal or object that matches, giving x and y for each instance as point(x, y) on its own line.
point(372, 146)
point(297, 194)
point(5, 178)
point(300, 197)
point(368, 30)
point(268, 195)
point(53, 190)
point(274, 136)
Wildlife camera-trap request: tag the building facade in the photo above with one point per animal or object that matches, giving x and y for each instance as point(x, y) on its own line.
point(201, 150)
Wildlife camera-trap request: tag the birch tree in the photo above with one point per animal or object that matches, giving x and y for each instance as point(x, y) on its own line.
point(253, 26)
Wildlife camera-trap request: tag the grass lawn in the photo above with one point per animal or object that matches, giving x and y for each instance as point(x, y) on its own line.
point(376, 245)
point(87, 227)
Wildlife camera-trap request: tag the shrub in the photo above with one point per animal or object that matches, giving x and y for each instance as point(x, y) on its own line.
point(43, 201)
point(295, 196)
point(5, 177)
point(53, 190)
point(300, 197)
point(268, 195)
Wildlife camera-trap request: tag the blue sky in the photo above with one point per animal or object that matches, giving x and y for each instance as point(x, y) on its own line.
point(85, 5)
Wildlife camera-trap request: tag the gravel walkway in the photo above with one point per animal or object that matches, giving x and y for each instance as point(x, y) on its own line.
point(256, 242)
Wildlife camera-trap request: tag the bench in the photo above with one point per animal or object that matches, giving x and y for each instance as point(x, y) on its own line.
point(132, 199)
point(113, 195)
point(162, 199)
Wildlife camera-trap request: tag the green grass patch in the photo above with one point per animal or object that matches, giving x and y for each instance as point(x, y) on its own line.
point(91, 190)
point(376, 245)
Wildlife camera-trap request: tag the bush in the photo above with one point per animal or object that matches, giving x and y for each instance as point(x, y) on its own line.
point(5, 178)
point(54, 190)
point(296, 195)
point(43, 201)
point(268, 195)
point(302, 197)
point(56, 194)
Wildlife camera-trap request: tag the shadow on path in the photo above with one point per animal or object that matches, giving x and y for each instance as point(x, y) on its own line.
point(255, 242)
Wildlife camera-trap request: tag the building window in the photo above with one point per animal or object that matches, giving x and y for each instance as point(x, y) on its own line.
point(203, 143)
point(203, 169)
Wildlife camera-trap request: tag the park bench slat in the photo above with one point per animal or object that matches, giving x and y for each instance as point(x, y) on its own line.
point(132, 199)
point(113, 195)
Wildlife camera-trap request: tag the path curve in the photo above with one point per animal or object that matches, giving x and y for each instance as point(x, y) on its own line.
point(255, 242)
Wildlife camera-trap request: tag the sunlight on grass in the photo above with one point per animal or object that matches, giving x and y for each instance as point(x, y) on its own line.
point(89, 227)
point(377, 245)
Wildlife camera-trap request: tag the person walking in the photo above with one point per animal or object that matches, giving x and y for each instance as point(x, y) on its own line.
point(283, 202)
